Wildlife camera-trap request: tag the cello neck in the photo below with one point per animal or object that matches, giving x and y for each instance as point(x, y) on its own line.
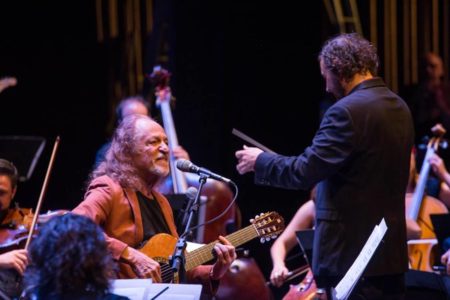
point(178, 178)
point(419, 191)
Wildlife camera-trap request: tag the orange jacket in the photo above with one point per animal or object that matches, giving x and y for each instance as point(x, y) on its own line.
point(117, 211)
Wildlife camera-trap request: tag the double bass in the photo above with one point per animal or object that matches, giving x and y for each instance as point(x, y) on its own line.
point(218, 195)
point(423, 252)
point(218, 198)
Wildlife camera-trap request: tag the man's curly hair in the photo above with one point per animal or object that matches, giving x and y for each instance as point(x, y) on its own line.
point(68, 256)
point(348, 54)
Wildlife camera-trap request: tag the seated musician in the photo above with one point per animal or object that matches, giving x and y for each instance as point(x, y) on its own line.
point(69, 260)
point(11, 217)
point(304, 219)
point(121, 197)
point(440, 170)
point(130, 106)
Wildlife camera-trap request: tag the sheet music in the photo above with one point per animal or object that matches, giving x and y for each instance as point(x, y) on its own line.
point(348, 282)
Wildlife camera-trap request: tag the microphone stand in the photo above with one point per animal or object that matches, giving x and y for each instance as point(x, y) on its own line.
point(177, 260)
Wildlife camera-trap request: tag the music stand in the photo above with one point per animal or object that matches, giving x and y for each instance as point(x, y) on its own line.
point(23, 152)
point(144, 289)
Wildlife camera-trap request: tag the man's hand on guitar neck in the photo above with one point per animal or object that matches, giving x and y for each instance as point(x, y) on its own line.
point(225, 254)
point(142, 265)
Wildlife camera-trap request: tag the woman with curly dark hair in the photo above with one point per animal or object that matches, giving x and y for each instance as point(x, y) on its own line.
point(69, 260)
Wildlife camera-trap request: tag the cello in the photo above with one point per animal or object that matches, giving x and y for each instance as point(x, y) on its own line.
point(306, 289)
point(422, 252)
point(218, 195)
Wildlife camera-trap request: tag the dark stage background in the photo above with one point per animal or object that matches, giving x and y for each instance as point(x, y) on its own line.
point(237, 64)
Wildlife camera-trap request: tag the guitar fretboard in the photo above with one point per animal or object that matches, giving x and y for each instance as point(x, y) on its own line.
point(205, 253)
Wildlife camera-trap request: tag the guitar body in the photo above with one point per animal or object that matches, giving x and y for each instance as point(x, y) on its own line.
point(422, 256)
point(160, 247)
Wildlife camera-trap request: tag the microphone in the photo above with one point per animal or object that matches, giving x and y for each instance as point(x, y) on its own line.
point(186, 166)
point(191, 192)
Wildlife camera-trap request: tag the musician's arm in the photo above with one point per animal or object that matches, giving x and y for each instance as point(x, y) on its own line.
point(143, 266)
point(16, 259)
point(97, 206)
point(303, 219)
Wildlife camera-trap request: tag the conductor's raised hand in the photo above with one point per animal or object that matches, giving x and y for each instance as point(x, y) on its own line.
point(247, 159)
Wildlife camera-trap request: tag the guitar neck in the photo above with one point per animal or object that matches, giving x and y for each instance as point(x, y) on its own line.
point(205, 253)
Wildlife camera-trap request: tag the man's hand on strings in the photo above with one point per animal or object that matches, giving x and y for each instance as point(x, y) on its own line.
point(142, 265)
point(246, 159)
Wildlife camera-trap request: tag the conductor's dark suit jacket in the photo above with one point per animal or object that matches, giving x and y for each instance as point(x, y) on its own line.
point(360, 159)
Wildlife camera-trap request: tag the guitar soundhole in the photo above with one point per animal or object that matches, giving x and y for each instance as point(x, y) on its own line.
point(166, 273)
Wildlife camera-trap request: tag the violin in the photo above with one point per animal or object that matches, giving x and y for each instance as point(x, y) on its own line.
point(15, 228)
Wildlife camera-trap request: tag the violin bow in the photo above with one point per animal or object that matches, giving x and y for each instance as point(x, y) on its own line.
point(250, 140)
point(43, 190)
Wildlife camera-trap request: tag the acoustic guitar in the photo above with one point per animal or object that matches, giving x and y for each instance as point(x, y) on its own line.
point(160, 247)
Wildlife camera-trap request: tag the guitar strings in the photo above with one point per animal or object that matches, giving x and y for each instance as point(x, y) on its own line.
point(166, 273)
point(198, 256)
